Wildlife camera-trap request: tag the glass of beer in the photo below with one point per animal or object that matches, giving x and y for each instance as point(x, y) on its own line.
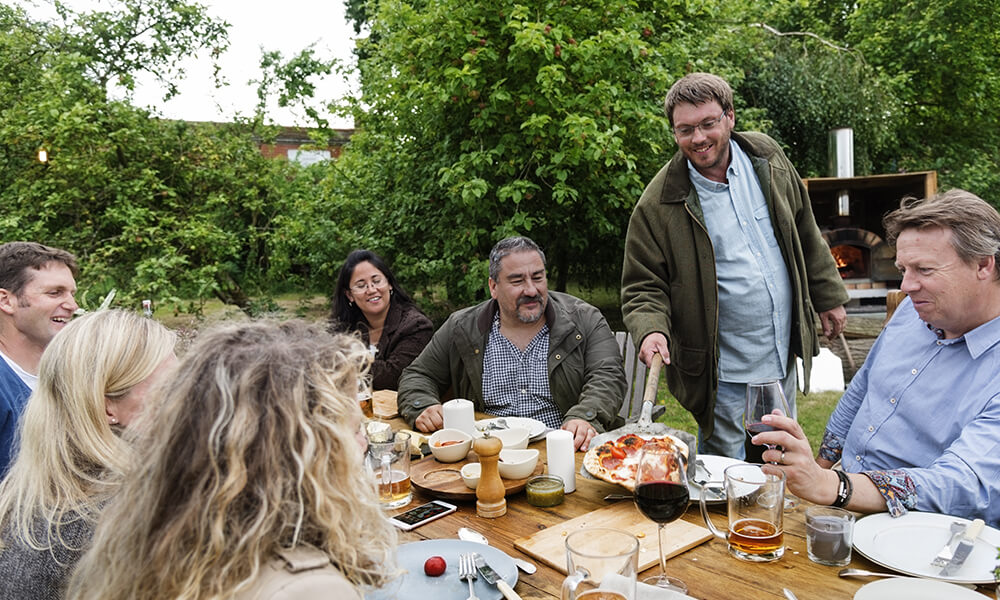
point(602, 565)
point(389, 462)
point(755, 503)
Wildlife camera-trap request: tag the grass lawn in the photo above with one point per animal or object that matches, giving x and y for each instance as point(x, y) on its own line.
point(814, 410)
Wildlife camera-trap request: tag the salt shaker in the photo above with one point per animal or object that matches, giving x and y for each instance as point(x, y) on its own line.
point(562, 457)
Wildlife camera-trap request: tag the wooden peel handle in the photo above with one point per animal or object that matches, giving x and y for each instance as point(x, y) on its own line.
point(652, 379)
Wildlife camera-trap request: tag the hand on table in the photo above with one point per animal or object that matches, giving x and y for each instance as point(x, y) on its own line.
point(654, 343)
point(803, 476)
point(582, 432)
point(430, 420)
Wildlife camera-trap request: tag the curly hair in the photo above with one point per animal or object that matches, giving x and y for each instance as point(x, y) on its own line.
point(70, 459)
point(250, 450)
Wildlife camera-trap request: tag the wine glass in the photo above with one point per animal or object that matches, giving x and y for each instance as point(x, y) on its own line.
point(762, 399)
point(661, 493)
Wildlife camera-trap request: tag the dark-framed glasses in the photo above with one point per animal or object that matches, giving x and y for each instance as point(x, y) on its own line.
point(706, 127)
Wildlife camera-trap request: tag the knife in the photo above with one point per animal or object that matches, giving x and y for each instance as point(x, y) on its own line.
point(944, 556)
point(493, 578)
point(964, 548)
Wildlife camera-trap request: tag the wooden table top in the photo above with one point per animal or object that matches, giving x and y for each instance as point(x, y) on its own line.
point(709, 571)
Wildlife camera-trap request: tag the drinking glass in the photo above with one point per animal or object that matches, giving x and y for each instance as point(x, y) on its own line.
point(601, 564)
point(661, 493)
point(762, 399)
point(389, 462)
point(754, 506)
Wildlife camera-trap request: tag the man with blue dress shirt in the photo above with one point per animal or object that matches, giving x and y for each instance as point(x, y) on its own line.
point(725, 267)
point(37, 284)
point(919, 426)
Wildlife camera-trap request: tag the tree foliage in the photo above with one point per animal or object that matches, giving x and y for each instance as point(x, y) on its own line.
point(482, 120)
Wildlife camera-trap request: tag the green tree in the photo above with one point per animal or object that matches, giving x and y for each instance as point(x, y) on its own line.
point(482, 120)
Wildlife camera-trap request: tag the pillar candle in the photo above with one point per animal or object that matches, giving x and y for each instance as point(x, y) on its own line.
point(460, 414)
point(562, 457)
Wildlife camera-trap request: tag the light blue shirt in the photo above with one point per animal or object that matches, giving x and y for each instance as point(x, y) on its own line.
point(929, 408)
point(755, 293)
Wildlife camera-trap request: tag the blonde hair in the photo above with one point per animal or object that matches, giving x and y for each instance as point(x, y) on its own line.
point(70, 458)
point(253, 451)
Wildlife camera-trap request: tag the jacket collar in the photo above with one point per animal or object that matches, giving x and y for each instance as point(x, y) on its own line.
point(677, 184)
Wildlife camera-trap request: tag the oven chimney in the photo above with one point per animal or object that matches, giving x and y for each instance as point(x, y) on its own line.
point(841, 154)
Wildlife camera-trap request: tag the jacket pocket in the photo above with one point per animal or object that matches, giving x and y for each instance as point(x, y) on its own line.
point(689, 361)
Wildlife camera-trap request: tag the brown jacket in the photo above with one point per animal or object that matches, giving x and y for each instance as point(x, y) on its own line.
point(404, 335)
point(302, 573)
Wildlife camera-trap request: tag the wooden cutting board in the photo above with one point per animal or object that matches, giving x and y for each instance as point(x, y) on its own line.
point(444, 480)
point(549, 545)
point(384, 404)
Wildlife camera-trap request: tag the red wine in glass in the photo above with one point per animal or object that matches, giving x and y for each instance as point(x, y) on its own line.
point(662, 501)
point(762, 399)
point(661, 493)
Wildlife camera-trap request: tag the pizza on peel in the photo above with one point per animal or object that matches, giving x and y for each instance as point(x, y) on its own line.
point(616, 461)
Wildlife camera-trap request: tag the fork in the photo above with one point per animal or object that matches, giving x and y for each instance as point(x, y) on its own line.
point(467, 573)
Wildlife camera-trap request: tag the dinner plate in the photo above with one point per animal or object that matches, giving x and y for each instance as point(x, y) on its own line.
point(909, 543)
point(534, 426)
point(414, 585)
point(914, 589)
point(716, 465)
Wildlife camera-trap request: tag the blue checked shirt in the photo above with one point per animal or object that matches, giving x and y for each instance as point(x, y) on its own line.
point(515, 383)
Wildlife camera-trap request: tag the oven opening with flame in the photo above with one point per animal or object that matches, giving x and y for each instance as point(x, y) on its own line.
point(852, 262)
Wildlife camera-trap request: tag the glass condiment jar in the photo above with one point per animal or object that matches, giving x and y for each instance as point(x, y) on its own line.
point(545, 490)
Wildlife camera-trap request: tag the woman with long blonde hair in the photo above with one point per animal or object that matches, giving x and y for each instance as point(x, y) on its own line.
point(251, 483)
point(92, 381)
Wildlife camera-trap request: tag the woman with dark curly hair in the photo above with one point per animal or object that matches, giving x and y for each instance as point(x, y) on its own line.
point(370, 301)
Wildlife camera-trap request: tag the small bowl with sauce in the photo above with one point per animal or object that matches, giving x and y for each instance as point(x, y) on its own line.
point(450, 445)
point(517, 464)
point(545, 490)
point(470, 474)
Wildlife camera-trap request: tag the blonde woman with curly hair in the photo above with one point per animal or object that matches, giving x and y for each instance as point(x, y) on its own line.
point(92, 380)
point(251, 484)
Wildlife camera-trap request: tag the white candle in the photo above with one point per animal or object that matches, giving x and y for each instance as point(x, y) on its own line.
point(460, 414)
point(562, 457)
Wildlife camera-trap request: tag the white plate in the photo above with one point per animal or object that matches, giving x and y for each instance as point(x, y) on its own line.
point(414, 585)
point(914, 589)
point(534, 426)
point(909, 544)
point(715, 464)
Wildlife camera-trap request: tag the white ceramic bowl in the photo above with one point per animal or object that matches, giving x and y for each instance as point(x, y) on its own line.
point(452, 452)
point(517, 464)
point(470, 475)
point(515, 438)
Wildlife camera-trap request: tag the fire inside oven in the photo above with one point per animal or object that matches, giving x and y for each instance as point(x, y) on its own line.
point(853, 262)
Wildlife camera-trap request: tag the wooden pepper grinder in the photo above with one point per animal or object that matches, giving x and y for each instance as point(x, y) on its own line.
point(491, 501)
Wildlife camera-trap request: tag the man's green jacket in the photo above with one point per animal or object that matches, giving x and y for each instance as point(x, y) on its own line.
point(669, 282)
point(586, 376)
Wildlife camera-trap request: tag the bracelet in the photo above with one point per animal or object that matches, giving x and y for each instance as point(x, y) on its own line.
point(844, 490)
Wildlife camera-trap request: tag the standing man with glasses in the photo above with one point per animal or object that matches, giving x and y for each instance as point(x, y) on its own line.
point(725, 266)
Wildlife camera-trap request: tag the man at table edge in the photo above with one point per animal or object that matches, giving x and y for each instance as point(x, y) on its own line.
point(525, 352)
point(919, 426)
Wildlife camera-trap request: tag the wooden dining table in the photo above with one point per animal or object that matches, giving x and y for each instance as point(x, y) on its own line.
point(708, 569)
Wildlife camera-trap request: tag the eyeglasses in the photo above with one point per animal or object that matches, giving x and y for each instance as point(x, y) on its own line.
point(706, 127)
point(361, 286)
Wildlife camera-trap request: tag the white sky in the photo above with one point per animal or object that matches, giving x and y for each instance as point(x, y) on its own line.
point(284, 25)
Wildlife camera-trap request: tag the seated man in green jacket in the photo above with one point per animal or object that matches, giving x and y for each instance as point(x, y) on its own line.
point(527, 352)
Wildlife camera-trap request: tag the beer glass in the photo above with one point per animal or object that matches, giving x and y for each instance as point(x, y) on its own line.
point(755, 504)
point(390, 464)
point(602, 565)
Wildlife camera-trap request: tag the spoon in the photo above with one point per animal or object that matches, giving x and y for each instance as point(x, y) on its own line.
point(789, 594)
point(470, 535)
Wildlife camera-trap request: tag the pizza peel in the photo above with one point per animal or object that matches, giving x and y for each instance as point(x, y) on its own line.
point(645, 427)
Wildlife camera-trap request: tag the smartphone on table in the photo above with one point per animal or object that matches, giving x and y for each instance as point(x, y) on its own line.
point(425, 513)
